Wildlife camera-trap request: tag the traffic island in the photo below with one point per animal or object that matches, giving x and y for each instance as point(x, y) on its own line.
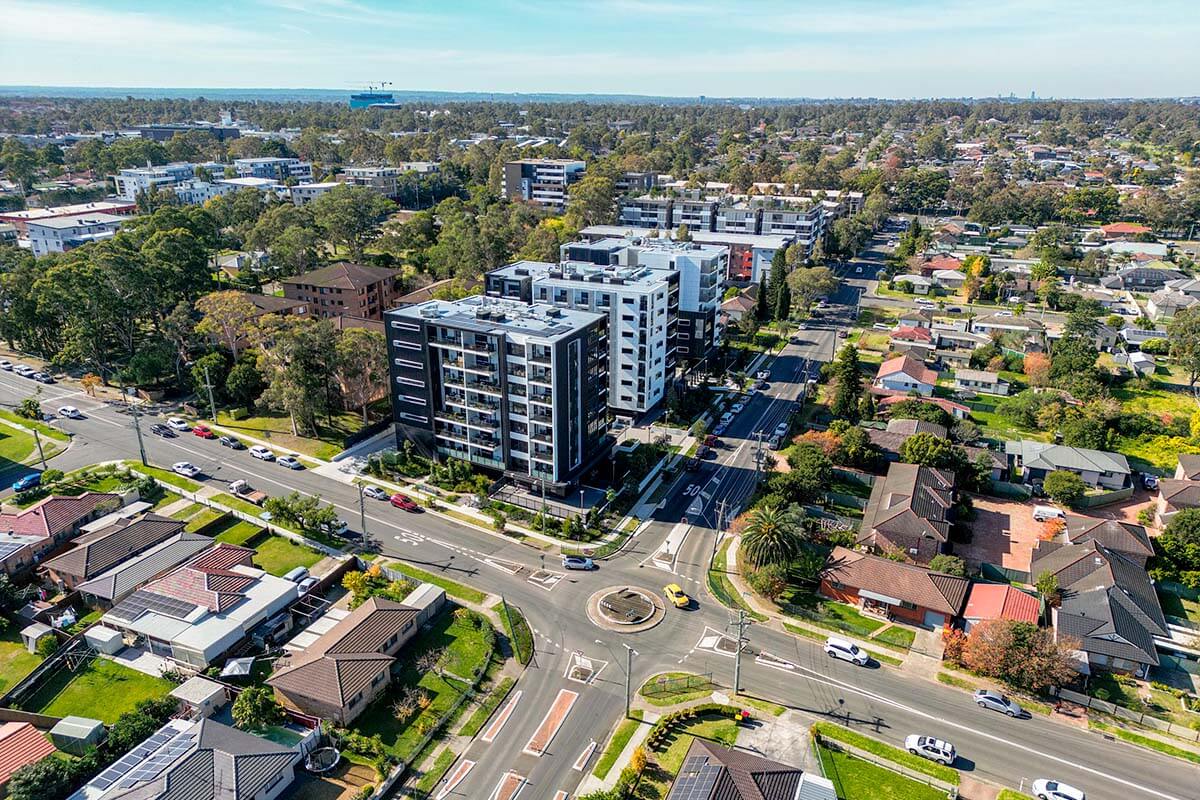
point(625, 609)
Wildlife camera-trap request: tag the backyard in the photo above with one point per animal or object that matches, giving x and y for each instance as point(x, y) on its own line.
point(467, 649)
point(15, 661)
point(279, 555)
point(100, 689)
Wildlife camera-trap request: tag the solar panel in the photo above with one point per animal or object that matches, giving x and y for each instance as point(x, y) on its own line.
point(142, 601)
point(696, 779)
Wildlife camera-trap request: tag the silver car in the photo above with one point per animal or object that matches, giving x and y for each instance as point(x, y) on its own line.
point(986, 698)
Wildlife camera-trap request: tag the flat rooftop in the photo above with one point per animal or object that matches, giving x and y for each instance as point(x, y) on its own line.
point(78, 220)
point(585, 272)
point(492, 315)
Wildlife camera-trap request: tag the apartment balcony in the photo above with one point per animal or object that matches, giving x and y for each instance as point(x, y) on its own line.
point(479, 405)
point(542, 377)
point(541, 417)
point(540, 358)
point(541, 399)
point(515, 371)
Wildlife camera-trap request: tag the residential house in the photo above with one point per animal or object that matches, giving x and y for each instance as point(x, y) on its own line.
point(928, 267)
point(345, 288)
point(956, 410)
point(713, 772)
point(949, 279)
point(1137, 363)
point(1099, 469)
point(1008, 324)
point(197, 760)
point(915, 318)
point(1188, 286)
point(890, 440)
point(900, 591)
point(1143, 278)
point(1126, 538)
point(1123, 230)
point(977, 380)
point(1108, 604)
point(1188, 467)
point(741, 304)
point(1174, 496)
point(909, 511)
point(201, 610)
point(920, 284)
point(905, 374)
point(1166, 303)
point(21, 744)
point(988, 601)
point(31, 533)
point(114, 584)
point(337, 676)
point(97, 552)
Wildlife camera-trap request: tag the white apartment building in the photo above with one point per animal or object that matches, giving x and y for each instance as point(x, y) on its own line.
point(305, 193)
point(543, 181)
point(141, 180)
point(275, 168)
point(701, 268)
point(59, 234)
point(641, 304)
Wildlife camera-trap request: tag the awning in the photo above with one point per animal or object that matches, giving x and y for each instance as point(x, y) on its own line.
point(238, 666)
point(882, 598)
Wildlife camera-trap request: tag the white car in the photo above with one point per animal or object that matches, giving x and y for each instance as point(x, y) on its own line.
point(291, 462)
point(1043, 513)
point(931, 748)
point(70, 412)
point(178, 424)
point(263, 453)
point(375, 493)
point(763, 375)
point(737, 408)
point(781, 429)
point(836, 647)
point(1045, 789)
point(185, 468)
point(6, 364)
point(24, 370)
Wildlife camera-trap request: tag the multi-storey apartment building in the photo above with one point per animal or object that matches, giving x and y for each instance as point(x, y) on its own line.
point(749, 254)
point(341, 289)
point(701, 268)
point(646, 211)
point(642, 306)
point(512, 387)
point(274, 168)
point(59, 234)
point(543, 181)
point(140, 180)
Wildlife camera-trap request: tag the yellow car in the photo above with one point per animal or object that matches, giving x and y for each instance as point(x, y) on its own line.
point(676, 595)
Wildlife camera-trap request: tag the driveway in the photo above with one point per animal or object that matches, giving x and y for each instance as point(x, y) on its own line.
point(1004, 533)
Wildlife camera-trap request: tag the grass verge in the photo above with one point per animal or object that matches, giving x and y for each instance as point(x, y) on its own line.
point(1012, 794)
point(954, 680)
point(616, 744)
point(166, 476)
point(853, 778)
point(517, 628)
point(42, 428)
point(490, 703)
point(435, 772)
point(453, 588)
point(1145, 741)
point(886, 751)
point(818, 636)
point(723, 589)
point(669, 688)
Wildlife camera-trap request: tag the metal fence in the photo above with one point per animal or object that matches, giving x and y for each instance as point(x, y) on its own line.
point(1137, 717)
point(662, 685)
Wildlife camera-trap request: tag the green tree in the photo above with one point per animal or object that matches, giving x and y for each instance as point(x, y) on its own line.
point(592, 201)
point(1047, 586)
point(930, 450)
point(772, 535)
point(48, 779)
point(847, 385)
point(297, 358)
point(1177, 550)
point(1183, 333)
point(256, 709)
point(762, 304)
point(349, 216)
point(948, 564)
point(244, 384)
point(777, 283)
point(809, 284)
point(226, 317)
point(1065, 487)
point(361, 367)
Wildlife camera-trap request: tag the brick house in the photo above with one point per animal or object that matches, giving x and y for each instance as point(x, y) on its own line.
point(904, 592)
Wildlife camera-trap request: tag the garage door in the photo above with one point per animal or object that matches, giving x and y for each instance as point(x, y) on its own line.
point(934, 619)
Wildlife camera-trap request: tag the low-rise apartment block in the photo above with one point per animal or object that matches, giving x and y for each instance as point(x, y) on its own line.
point(274, 168)
point(542, 181)
point(512, 387)
point(341, 289)
point(60, 234)
point(130, 183)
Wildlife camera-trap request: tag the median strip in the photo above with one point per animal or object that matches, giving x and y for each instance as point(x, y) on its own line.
point(498, 723)
point(541, 739)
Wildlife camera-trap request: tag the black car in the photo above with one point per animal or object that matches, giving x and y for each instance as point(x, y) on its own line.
point(158, 429)
point(232, 443)
point(692, 464)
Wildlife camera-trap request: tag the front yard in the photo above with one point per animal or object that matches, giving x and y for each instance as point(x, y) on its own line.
point(854, 778)
point(663, 764)
point(100, 689)
point(279, 555)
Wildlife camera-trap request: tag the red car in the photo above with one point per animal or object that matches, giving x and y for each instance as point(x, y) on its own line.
point(204, 432)
point(405, 502)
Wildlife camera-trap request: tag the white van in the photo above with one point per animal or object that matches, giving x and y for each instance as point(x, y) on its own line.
point(1043, 513)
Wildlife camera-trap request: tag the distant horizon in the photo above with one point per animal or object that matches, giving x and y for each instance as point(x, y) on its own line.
point(881, 49)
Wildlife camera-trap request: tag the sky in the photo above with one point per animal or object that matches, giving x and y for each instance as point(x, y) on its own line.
point(722, 48)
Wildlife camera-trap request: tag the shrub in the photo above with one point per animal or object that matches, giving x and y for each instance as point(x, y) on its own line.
point(52, 476)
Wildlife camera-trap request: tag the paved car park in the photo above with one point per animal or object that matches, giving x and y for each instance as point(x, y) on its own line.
point(1004, 533)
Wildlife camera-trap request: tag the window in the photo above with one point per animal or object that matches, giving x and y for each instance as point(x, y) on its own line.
point(908, 605)
point(408, 398)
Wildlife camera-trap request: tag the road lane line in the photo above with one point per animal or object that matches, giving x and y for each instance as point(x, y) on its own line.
point(548, 729)
point(498, 723)
point(456, 777)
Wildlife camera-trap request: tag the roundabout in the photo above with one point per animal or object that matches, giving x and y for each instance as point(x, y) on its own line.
point(625, 609)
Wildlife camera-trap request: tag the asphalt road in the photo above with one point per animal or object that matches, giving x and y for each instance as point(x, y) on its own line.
point(881, 700)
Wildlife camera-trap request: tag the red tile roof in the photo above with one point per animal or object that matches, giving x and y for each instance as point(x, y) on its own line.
point(209, 580)
point(949, 406)
point(910, 367)
point(55, 514)
point(1124, 229)
point(911, 334)
point(21, 744)
point(1001, 601)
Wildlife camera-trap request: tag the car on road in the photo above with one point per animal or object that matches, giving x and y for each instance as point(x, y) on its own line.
point(578, 562)
point(726, 418)
point(291, 462)
point(1149, 482)
point(404, 502)
point(775, 442)
point(27, 482)
point(676, 595)
point(375, 493)
point(43, 377)
point(158, 429)
point(836, 647)
point(204, 432)
point(995, 701)
point(953, 310)
point(737, 408)
point(934, 749)
point(1046, 789)
point(262, 453)
point(69, 412)
point(781, 429)
point(720, 429)
point(177, 424)
point(921, 301)
point(763, 375)
point(232, 443)
point(6, 364)
point(24, 370)
point(692, 464)
point(185, 468)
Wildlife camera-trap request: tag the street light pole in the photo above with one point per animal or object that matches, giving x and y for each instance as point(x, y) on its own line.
point(136, 426)
point(737, 658)
point(212, 404)
point(629, 654)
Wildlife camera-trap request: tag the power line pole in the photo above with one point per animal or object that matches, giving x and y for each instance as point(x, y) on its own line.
point(758, 456)
point(136, 426)
point(629, 654)
point(212, 404)
point(737, 658)
point(41, 454)
point(362, 513)
point(720, 527)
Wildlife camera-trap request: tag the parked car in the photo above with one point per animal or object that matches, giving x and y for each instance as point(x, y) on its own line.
point(775, 442)
point(931, 748)
point(43, 377)
point(232, 443)
point(403, 501)
point(204, 432)
point(69, 412)
point(24, 370)
point(307, 585)
point(185, 468)
point(158, 429)
point(263, 453)
point(244, 490)
point(737, 408)
point(27, 482)
point(336, 528)
point(836, 647)
point(1043, 513)
point(995, 701)
point(1149, 482)
point(1045, 789)
point(578, 562)
point(727, 418)
point(712, 441)
point(177, 424)
point(720, 429)
point(375, 493)
point(6, 364)
point(291, 462)
point(763, 375)
point(703, 451)
point(676, 595)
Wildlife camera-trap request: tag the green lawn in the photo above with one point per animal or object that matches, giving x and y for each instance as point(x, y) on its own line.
point(723, 589)
point(431, 776)
point(453, 588)
point(1157, 454)
point(15, 661)
point(1145, 741)
point(278, 555)
point(277, 431)
point(48, 431)
point(237, 504)
point(521, 638)
point(240, 533)
point(1012, 794)
point(898, 636)
point(205, 517)
point(475, 723)
point(467, 649)
point(669, 688)
point(166, 476)
point(886, 751)
point(102, 690)
point(616, 744)
point(664, 764)
point(1178, 606)
point(15, 445)
point(187, 512)
point(998, 427)
point(854, 778)
point(1157, 401)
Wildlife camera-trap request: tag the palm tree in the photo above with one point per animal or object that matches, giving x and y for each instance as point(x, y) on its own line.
point(772, 536)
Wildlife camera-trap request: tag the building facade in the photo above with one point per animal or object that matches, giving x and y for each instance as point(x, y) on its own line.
point(60, 234)
point(341, 289)
point(130, 183)
point(542, 181)
point(512, 387)
point(274, 168)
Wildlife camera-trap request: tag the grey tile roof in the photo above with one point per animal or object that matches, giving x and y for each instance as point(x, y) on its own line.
point(911, 502)
point(1191, 465)
point(1044, 455)
point(932, 590)
point(122, 579)
point(102, 549)
point(1179, 494)
point(1115, 534)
